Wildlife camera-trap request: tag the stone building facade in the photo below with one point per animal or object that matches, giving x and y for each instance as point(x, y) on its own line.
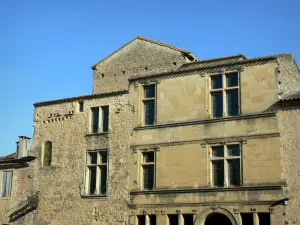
point(169, 139)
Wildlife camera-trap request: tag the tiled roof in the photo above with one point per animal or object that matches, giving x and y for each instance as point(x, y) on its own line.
point(12, 161)
point(83, 97)
point(151, 41)
point(292, 96)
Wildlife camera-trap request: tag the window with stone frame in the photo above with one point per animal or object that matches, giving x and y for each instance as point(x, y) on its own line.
point(146, 219)
point(148, 170)
point(6, 183)
point(225, 165)
point(224, 95)
point(96, 172)
point(260, 218)
point(149, 104)
point(47, 154)
point(99, 119)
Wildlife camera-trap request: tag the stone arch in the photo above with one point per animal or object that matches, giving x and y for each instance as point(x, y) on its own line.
point(47, 153)
point(200, 219)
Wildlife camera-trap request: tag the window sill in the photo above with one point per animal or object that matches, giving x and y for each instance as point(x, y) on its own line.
point(98, 134)
point(205, 121)
point(101, 197)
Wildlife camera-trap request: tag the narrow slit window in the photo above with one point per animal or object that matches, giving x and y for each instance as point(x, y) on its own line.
point(149, 101)
point(47, 154)
point(105, 118)
point(6, 183)
point(95, 119)
point(80, 105)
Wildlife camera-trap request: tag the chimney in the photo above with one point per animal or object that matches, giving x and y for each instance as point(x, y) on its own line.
point(22, 146)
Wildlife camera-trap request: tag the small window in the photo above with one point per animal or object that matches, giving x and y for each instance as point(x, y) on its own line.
point(264, 218)
point(149, 99)
point(47, 153)
point(80, 106)
point(173, 219)
point(97, 127)
point(148, 170)
point(142, 219)
point(247, 219)
point(6, 183)
point(224, 95)
point(226, 165)
point(188, 219)
point(96, 172)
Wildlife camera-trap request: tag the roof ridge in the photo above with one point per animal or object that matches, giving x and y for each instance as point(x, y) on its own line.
point(220, 58)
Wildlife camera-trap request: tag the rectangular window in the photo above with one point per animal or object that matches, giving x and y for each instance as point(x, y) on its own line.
point(96, 172)
point(188, 219)
point(173, 219)
point(247, 218)
point(148, 170)
point(226, 165)
point(6, 183)
point(103, 117)
point(224, 93)
point(264, 218)
point(80, 106)
point(149, 102)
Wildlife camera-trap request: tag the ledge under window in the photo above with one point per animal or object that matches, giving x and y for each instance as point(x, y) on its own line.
point(102, 197)
point(97, 134)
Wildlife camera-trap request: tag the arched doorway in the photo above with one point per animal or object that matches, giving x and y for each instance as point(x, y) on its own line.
point(217, 219)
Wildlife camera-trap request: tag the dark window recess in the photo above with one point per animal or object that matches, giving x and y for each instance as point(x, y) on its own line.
point(233, 102)
point(103, 157)
point(6, 184)
point(141, 220)
point(218, 151)
point(103, 179)
point(188, 219)
point(173, 219)
point(216, 82)
point(234, 172)
point(232, 80)
point(95, 119)
point(149, 109)
point(93, 157)
point(148, 157)
point(218, 173)
point(105, 118)
point(80, 106)
point(264, 218)
point(217, 104)
point(149, 91)
point(247, 219)
point(234, 150)
point(47, 153)
point(152, 219)
point(93, 177)
point(148, 175)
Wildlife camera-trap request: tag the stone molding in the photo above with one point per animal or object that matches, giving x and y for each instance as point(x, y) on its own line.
point(200, 219)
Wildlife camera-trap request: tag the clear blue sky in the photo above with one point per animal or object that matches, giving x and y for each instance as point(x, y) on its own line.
point(48, 46)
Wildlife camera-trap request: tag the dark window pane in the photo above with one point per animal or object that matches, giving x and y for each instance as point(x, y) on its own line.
point(80, 106)
point(264, 218)
point(105, 118)
point(148, 173)
point(103, 157)
point(173, 219)
point(141, 220)
point(247, 218)
point(188, 219)
point(149, 112)
point(47, 153)
point(234, 172)
point(6, 184)
point(233, 103)
point(218, 151)
point(93, 174)
point(95, 119)
point(217, 104)
point(93, 157)
point(218, 173)
point(149, 91)
point(103, 179)
point(233, 150)
point(148, 157)
point(152, 219)
point(216, 82)
point(232, 80)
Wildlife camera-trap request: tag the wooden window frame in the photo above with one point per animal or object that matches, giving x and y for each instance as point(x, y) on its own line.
point(224, 91)
point(1, 183)
point(142, 164)
point(100, 120)
point(225, 160)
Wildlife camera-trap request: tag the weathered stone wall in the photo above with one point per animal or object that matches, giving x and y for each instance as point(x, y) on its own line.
point(60, 186)
point(137, 58)
point(289, 126)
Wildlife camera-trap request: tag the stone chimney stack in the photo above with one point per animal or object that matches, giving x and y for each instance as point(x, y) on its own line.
point(22, 146)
